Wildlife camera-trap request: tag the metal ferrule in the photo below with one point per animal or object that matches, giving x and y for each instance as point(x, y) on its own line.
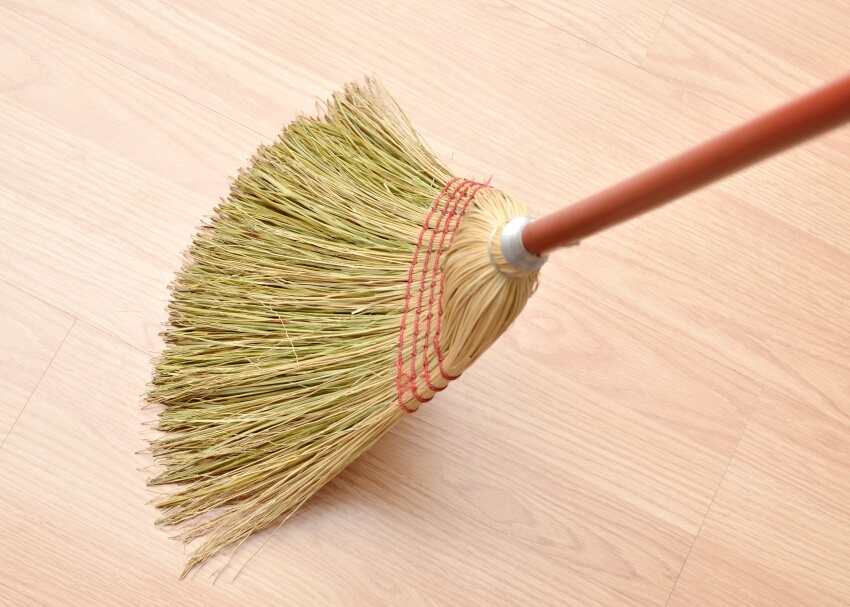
point(515, 252)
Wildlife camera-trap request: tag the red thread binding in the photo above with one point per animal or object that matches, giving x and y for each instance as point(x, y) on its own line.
point(459, 194)
point(439, 276)
point(457, 197)
point(399, 362)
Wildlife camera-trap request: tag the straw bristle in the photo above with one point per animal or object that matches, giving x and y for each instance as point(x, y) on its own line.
point(281, 363)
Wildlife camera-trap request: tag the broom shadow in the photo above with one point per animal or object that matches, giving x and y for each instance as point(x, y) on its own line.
point(358, 486)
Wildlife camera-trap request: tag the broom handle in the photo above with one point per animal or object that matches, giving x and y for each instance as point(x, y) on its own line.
point(777, 130)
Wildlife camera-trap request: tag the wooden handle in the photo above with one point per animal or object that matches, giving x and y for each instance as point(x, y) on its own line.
point(806, 117)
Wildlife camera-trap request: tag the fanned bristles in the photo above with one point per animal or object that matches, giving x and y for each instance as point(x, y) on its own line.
point(281, 359)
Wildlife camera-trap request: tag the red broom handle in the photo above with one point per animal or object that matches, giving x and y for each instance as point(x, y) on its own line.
point(806, 117)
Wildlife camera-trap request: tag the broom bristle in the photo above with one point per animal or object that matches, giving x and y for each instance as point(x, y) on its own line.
point(344, 281)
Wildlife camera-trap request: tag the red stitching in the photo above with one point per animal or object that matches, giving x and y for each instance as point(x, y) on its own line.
point(440, 277)
point(459, 195)
point(399, 362)
point(411, 377)
point(437, 277)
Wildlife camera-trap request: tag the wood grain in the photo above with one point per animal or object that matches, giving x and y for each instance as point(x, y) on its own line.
point(777, 533)
point(13, 598)
point(518, 442)
point(190, 54)
point(625, 29)
point(105, 179)
point(737, 283)
point(77, 529)
point(30, 334)
point(496, 97)
point(575, 463)
point(552, 135)
point(749, 56)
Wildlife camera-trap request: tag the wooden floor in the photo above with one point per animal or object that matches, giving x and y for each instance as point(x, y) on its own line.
point(667, 424)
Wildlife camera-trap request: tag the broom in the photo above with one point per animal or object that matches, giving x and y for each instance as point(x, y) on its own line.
point(347, 279)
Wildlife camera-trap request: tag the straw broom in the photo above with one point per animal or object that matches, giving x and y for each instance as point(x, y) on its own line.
point(347, 279)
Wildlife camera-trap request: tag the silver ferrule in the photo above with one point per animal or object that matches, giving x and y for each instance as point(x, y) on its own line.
point(515, 252)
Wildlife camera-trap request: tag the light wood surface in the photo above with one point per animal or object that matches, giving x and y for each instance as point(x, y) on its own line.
point(31, 332)
point(745, 56)
point(777, 532)
point(585, 460)
point(13, 598)
point(531, 465)
point(624, 29)
point(79, 527)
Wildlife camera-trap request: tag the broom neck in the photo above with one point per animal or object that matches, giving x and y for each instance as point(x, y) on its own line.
point(784, 127)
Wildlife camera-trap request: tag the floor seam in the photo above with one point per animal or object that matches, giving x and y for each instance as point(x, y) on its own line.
point(713, 497)
point(690, 348)
point(4, 585)
point(505, 535)
point(655, 36)
point(78, 319)
point(40, 379)
point(571, 34)
point(36, 297)
point(132, 70)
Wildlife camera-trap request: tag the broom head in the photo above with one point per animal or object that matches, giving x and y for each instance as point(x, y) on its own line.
point(346, 280)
